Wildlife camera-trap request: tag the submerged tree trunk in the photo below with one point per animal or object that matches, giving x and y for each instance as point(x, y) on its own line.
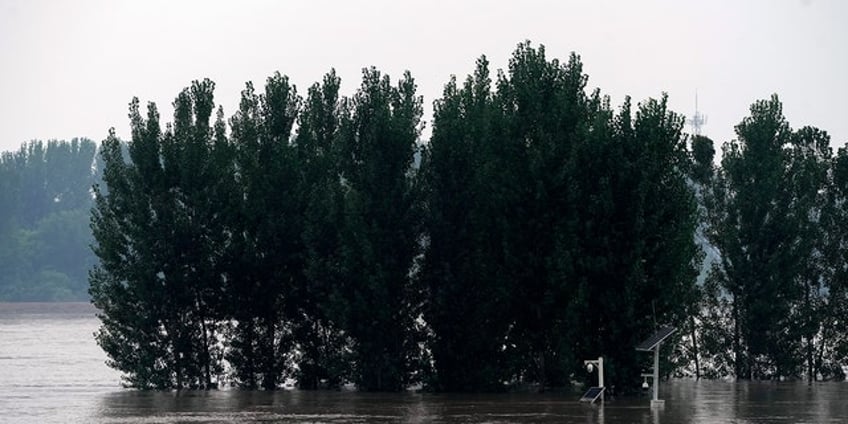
point(542, 371)
point(207, 359)
point(737, 349)
point(269, 373)
point(810, 372)
point(695, 352)
point(178, 360)
point(820, 354)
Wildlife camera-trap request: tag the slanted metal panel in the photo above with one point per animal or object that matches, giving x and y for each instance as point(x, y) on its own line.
point(592, 394)
point(656, 338)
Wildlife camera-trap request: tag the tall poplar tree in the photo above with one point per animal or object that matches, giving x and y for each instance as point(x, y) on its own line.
point(267, 261)
point(577, 223)
point(831, 350)
point(323, 345)
point(754, 227)
point(468, 294)
point(156, 235)
point(809, 159)
point(546, 119)
point(379, 132)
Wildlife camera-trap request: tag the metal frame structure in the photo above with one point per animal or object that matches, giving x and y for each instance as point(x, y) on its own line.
point(590, 364)
point(653, 343)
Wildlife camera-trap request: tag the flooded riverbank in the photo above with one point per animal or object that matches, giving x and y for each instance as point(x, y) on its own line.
point(53, 372)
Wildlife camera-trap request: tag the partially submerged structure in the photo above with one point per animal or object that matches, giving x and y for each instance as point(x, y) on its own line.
point(653, 343)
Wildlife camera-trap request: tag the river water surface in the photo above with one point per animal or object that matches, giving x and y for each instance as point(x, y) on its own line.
point(51, 371)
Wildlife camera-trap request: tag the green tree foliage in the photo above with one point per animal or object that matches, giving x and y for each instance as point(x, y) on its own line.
point(770, 201)
point(543, 228)
point(753, 233)
point(637, 261)
point(576, 225)
point(266, 234)
point(700, 176)
point(703, 155)
point(467, 291)
point(379, 128)
point(158, 236)
point(323, 345)
point(546, 115)
point(810, 157)
point(832, 342)
point(44, 204)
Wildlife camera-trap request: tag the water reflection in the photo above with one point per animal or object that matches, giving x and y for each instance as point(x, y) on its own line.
point(332, 407)
point(687, 402)
point(53, 372)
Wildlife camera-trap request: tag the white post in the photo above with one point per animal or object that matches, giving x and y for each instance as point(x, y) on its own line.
point(599, 363)
point(601, 374)
point(657, 372)
point(656, 402)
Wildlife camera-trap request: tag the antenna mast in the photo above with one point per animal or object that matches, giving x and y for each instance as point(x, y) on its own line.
point(697, 120)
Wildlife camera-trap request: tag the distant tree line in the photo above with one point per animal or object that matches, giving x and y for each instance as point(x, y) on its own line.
point(316, 238)
point(45, 203)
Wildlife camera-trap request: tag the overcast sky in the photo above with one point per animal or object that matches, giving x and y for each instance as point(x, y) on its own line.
point(69, 68)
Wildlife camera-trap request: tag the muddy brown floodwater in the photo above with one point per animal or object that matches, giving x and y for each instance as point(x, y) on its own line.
point(51, 371)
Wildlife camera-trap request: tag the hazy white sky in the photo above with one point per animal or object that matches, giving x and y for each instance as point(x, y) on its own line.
point(70, 68)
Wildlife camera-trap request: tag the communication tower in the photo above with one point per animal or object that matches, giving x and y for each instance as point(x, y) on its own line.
point(697, 120)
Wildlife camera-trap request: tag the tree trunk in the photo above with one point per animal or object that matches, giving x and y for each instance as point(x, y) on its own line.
point(207, 358)
point(178, 364)
point(269, 377)
point(820, 353)
point(249, 356)
point(542, 372)
point(809, 347)
point(737, 350)
point(174, 336)
point(695, 348)
point(810, 375)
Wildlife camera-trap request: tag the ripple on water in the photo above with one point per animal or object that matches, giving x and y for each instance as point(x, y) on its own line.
point(52, 371)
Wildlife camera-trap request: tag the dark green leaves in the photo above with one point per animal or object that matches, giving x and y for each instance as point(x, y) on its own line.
point(542, 228)
point(553, 226)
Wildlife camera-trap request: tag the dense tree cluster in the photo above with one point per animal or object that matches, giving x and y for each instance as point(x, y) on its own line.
point(316, 238)
point(45, 199)
point(557, 229)
point(774, 304)
point(280, 254)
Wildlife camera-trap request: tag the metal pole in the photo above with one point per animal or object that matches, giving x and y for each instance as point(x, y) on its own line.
point(657, 372)
point(601, 374)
